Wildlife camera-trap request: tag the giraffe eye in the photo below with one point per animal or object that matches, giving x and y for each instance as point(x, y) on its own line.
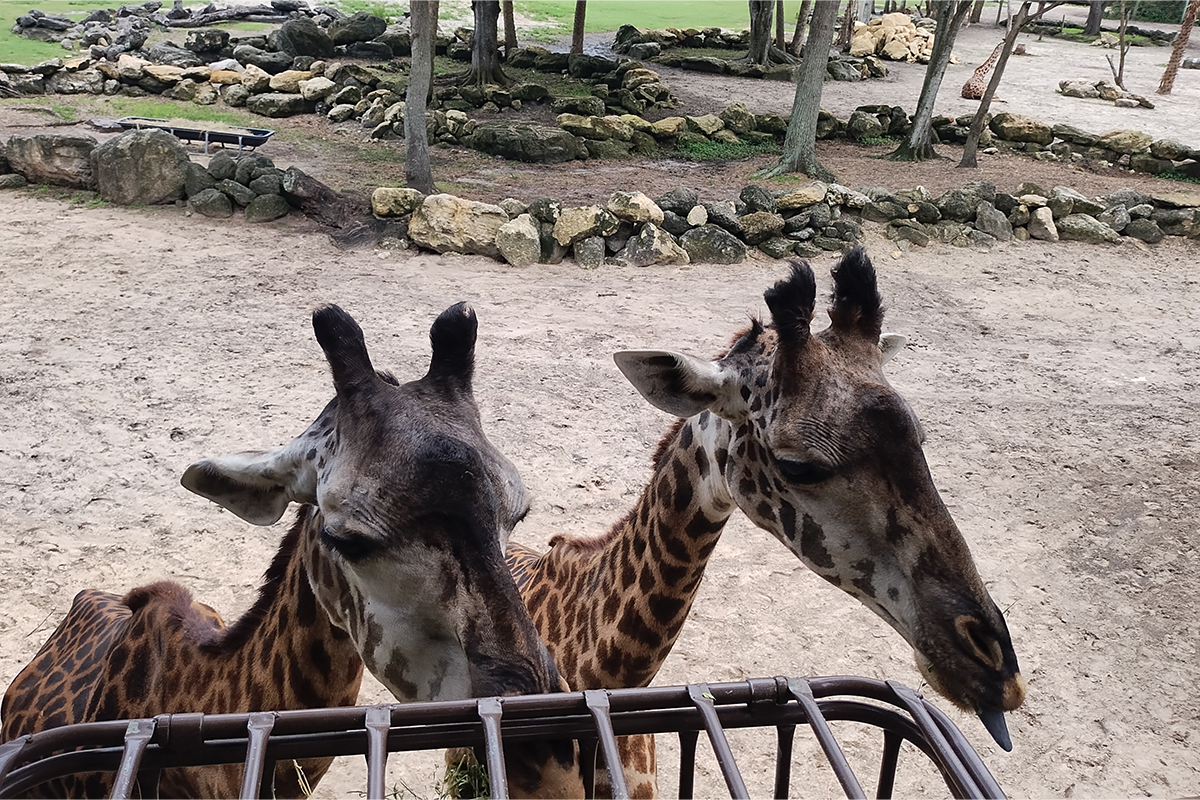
point(803, 472)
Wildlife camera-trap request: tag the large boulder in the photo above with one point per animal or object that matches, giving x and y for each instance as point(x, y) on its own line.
point(208, 41)
point(289, 81)
point(302, 37)
point(1085, 228)
point(211, 203)
point(653, 245)
point(450, 224)
point(358, 27)
point(140, 167)
point(635, 207)
point(267, 207)
point(519, 241)
point(862, 125)
point(993, 222)
point(58, 160)
point(709, 244)
point(277, 104)
point(803, 197)
point(1041, 225)
point(524, 141)
point(581, 222)
point(1019, 128)
point(1126, 142)
point(679, 201)
point(387, 201)
point(174, 55)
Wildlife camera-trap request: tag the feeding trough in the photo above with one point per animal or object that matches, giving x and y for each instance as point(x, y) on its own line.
point(194, 131)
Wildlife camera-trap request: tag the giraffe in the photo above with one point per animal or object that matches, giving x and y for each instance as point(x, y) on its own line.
point(977, 85)
point(802, 432)
point(395, 561)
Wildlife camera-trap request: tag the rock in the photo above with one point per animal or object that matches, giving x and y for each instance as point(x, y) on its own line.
point(912, 233)
point(679, 201)
point(697, 216)
point(674, 224)
point(206, 41)
point(723, 214)
point(57, 160)
point(196, 180)
point(1127, 142)
point(341, 112)
point(1177, 221)
point(528, 142)
point(993, 222)
point(519, 241)
point(1146, 230)
point(256, 80)
point(513, 207)
point(12, 180)
point(756, 198)
point(449, 224)
point(635, 207)
point(318, 88)
point(395, 202)
point(237, 192)
point(708, 124)
point(174, 55)
point(778, 247)
point(837, 195)
point(606, 149)
point(358, 27)
point(760, 226)
point(275, 104)
point(738, 119)
point(1179, 199)
point(862, 125)
point(1019, 128)
point(288, 81)
point(143, 167)
point(595, 128)
point(211, 203)
point(271, 183)
point(373, 51)
point(578, 223)
point(222, 166)
point(1170, 149)
point(1077, 89)
point(267, 207)
point(589, 252)
point(668, 127)
point(271, 63)
point(545, 210)
point(651, 245)
point(1041, 225)
point(1117, 218)
point(803, 197)
point(164, 73)
point(583, 106)
point(884, 211)
point(1085, 228)
point(1073, 135)
point(1141, 211)
point(302, 37)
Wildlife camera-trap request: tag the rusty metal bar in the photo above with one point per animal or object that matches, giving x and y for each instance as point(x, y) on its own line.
point(703, 699)
point(687, 764)
point(598, 706)
point(378, 724)
point(946, 757)
point(887, 765)
point(783, 760)
point(490, 711)
point(258, 729)
point(833, 751)
point(137, 736)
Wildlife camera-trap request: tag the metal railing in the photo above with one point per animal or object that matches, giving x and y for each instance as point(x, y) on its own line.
point(138, 750)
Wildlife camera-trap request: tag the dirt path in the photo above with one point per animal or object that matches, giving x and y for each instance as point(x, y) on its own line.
point(1057, 384)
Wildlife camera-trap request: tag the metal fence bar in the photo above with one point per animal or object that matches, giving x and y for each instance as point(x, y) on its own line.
point(148, 783)
point(833, 751)
point(783, 760)
point(10, 752)
point(687, 764)
point(258, 730)
point(378, 724)
point(490, 711)
point(887, 765)
point(587, 766)
point(137, 737)
point(702, 697)
point(984, 779)
point(946, 756)
point(598, 706)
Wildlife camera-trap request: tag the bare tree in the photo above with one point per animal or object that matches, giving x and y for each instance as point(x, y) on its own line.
point(800, 143)
point(510, 28)
point(417, 172)
point(1015, 23)
point(847, 30)
point(1181, 42)
point(919, 144)
point(762, 48)
point(485, 60)
point(801, 22)
point(1123, 48)
point(577, 28)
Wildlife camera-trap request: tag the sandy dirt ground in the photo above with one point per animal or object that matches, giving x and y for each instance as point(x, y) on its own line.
point(1057, 384)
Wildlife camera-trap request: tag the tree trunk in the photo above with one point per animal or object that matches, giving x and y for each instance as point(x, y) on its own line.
point(1119, 72)
point(761, 12)
point(1095, 17)
point(919, 145)
point(847, 30)
point(1022, 18)
point(1177, 50)
point(577, 28)
point(779, 24)
point(417, 172)
point(485, 61)
point(510, 28)
point(977, 12)
point(801, 20)
point(800, 144)
point(435, 9)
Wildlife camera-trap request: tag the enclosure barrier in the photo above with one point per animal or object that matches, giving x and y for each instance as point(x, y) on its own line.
point(140, 749)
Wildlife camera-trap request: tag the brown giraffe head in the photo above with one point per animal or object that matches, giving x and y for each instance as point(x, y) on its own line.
point(414, 507)
point(825, 455)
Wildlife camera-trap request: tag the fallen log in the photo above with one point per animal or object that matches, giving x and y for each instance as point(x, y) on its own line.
point(244, 13)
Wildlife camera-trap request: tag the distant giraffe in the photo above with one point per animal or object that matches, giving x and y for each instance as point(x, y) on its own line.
point(974, 88)
point(801, 431)
point(395, 560)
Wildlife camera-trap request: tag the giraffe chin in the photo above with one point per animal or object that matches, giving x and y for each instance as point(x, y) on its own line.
point(1011, 698)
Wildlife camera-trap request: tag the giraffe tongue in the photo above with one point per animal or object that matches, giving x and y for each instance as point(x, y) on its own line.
point(997, 727)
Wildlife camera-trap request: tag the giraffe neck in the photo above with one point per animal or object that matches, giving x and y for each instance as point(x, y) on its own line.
point(643, 576)
point(986, 66)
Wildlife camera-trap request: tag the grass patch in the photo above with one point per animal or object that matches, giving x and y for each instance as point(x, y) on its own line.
point(706, 52)
point(380, 154)
point(692, 150)
point(19, 50)
point(1175, 175)
point(608, 15)
point(166, 109)
point(1070, 34)
point(880, 141)
point(388, 11)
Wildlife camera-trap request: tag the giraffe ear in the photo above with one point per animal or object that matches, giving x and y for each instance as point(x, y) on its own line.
point(257, 485)
point(890, 344)
point(680, 384)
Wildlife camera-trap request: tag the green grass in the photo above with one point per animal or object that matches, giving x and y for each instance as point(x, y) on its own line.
point(1173, 175)
point(720, 151)
point(467, 778)
point(388, 11)
point(18, 49)
point(608, 15)
point(166, 109)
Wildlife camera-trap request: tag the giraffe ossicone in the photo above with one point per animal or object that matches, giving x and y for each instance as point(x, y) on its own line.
point(801, 431)
point(395, 561)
